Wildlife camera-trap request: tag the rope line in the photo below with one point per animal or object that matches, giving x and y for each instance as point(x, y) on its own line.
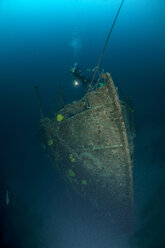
point(106, 42)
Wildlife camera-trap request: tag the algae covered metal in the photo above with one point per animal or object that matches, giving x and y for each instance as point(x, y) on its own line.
point(90, 143)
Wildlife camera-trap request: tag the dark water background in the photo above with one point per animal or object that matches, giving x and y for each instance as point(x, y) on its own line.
point(39, 42)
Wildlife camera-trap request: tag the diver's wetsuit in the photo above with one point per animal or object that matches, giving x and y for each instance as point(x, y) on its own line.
point(79, 75)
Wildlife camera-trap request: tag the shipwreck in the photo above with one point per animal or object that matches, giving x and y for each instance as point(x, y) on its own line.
point(90, 143)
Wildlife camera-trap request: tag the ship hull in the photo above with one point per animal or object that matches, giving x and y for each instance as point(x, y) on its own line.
point(92, 148)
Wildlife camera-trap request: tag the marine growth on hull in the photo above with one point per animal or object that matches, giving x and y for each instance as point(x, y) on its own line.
point(90, 142)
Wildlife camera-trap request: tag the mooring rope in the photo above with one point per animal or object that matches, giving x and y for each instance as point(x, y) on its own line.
point(106, 42)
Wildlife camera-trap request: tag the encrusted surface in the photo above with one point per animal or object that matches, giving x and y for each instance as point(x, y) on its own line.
point(90, 149)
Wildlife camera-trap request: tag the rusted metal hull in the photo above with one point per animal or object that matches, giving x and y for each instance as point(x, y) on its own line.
point(92, 148)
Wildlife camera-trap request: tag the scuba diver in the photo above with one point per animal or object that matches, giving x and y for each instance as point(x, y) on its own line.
point(79, 77)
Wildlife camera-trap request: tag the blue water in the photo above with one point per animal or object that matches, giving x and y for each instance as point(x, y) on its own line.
point(39, 42)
